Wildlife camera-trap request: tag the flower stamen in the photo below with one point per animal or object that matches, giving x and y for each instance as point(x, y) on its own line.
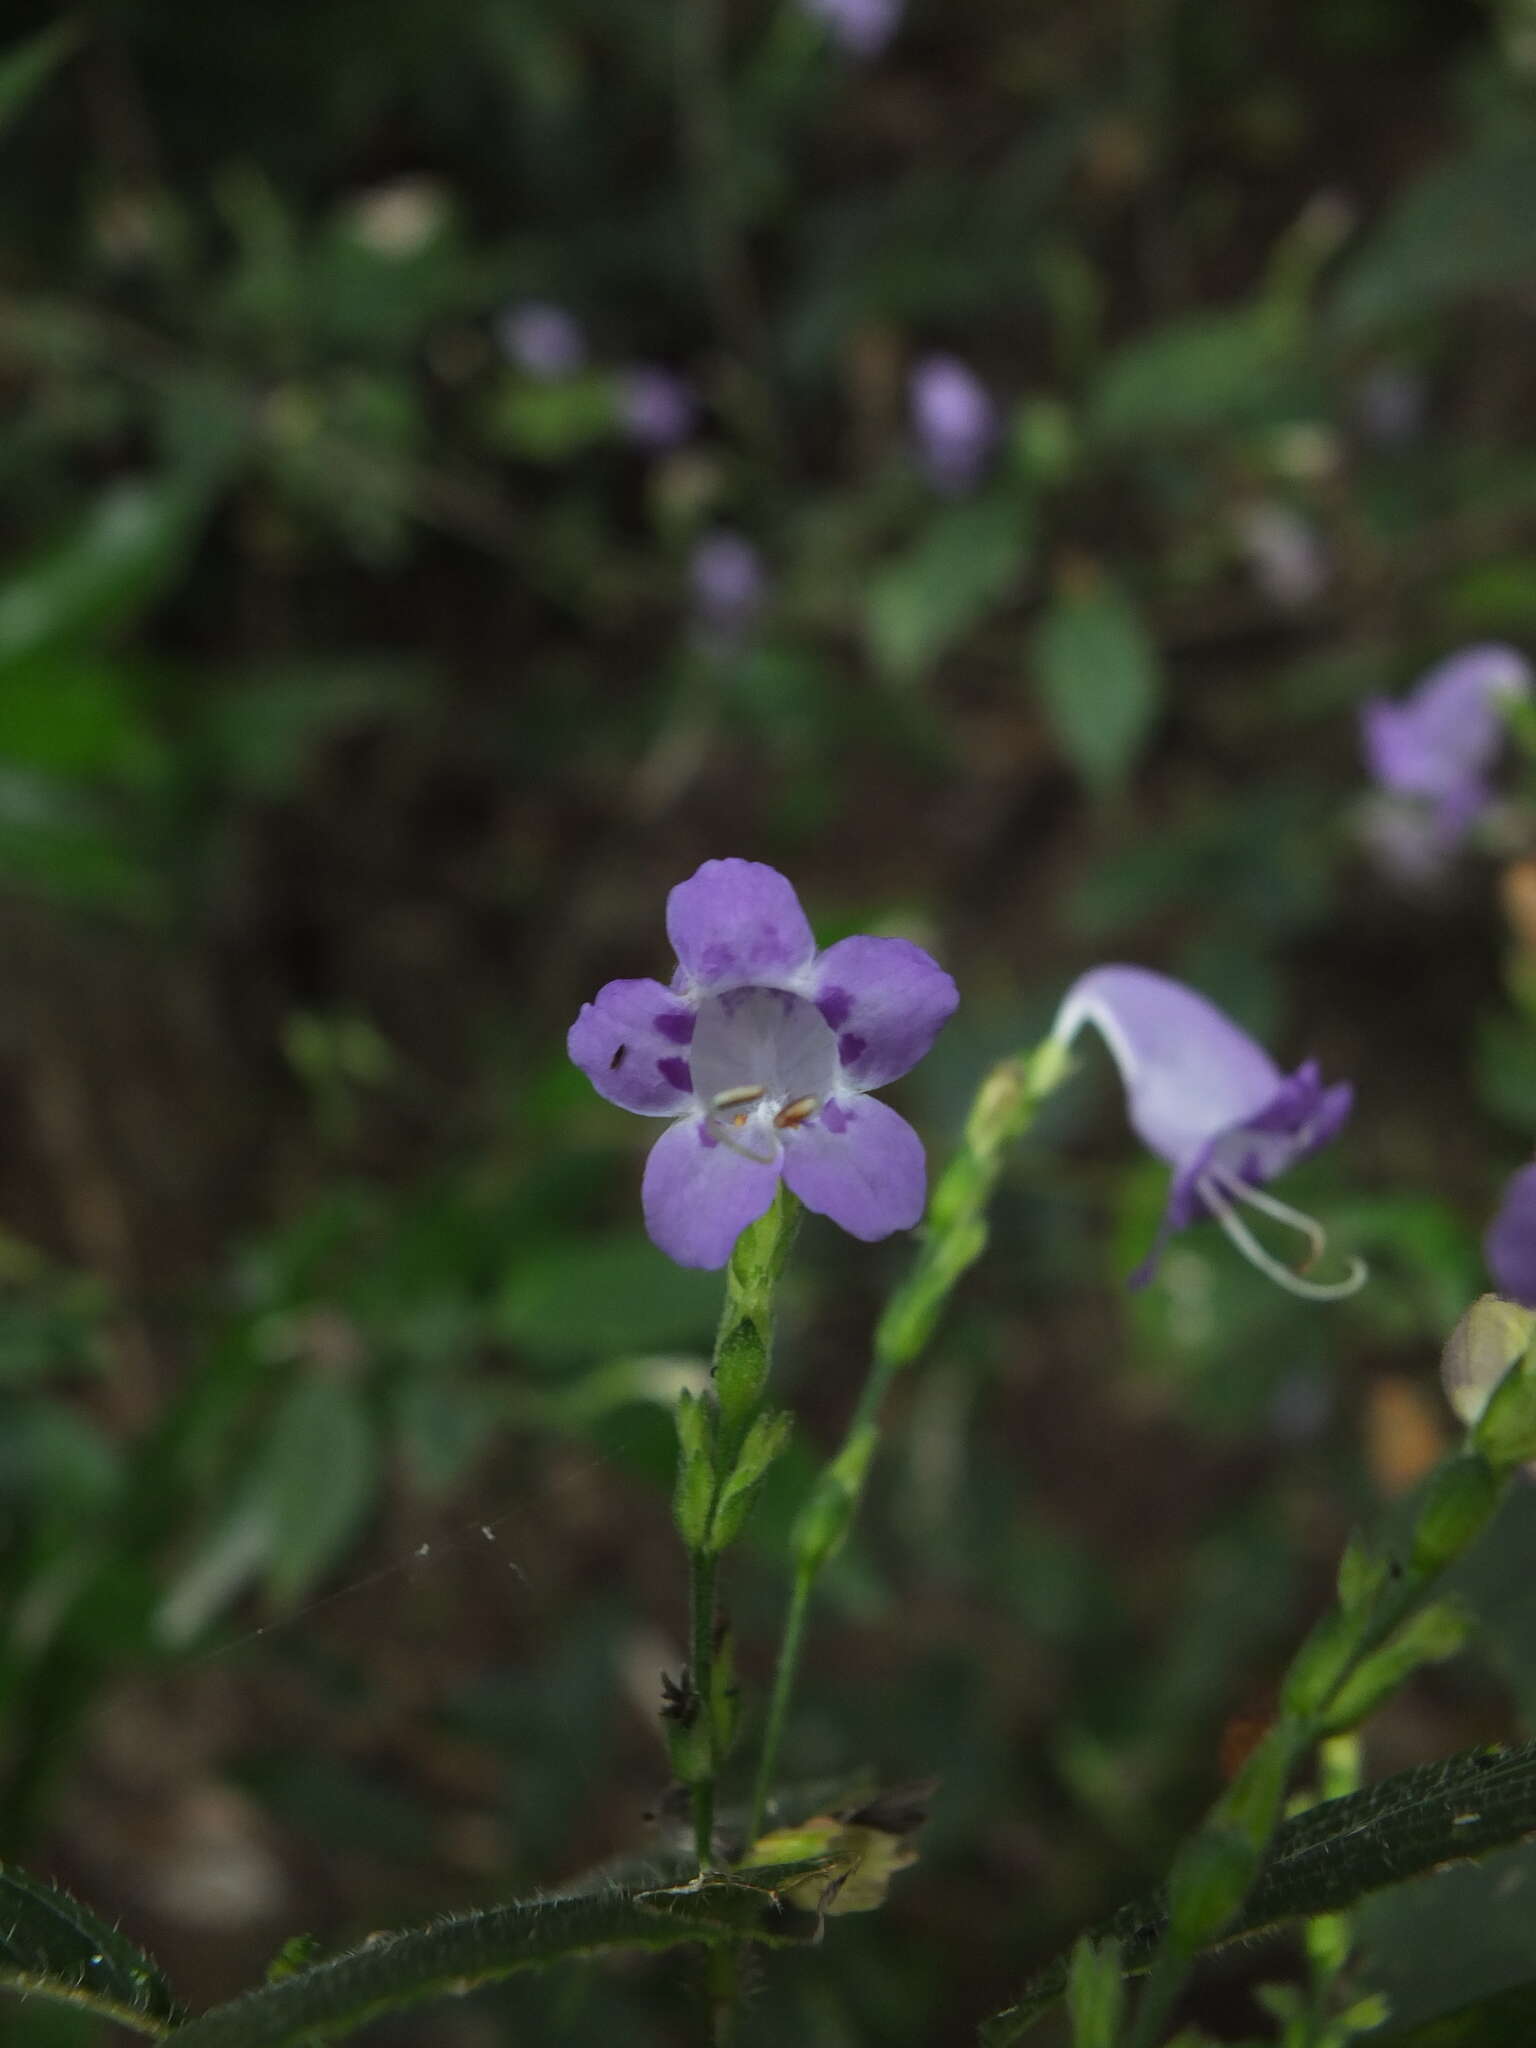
point(795, 1113)
point(1238, 1231)
point(729, 1097)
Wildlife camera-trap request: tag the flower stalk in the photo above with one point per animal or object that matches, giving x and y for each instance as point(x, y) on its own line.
point(955, 1238)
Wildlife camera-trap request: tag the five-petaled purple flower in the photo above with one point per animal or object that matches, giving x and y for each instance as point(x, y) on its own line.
point(1510, 1244)
point(763, 1051)
point(1203, 1095)
point(954, 421)
point(861, 27)
point(657, 407)
point(1439, 744)
point(543, 340)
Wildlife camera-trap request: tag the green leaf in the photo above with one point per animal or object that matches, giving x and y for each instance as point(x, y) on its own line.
point(1464, 226)
point(606, 1296)
point(318, 1481)
point(27, 67)
point(962, 568)
point(133, 541)
point(52, 1947)
point(1098, 676)
point(1334, 1854)
point(1219, 370)
point(456, 1955)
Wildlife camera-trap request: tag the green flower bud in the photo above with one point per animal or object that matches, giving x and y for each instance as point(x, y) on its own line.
point(1362, 1574)
point(1319, 1664)
point(693, 1499)
point(1095, 1993)
point(1433, 1634)
point(1492, 1336)
point(1505, 1431)
point(823, 1522)
point(1209, 1881)
point(764, 1441)
point(1460, 1496)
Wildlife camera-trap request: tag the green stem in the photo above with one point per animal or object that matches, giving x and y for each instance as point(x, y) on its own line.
point(955, 1239)
point(778, 1705)
point(701, 1655)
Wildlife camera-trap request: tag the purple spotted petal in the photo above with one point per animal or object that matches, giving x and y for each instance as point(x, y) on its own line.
point(1189, 1072)
point(1510, 1245)
point(861, 1164)
point(738, 922)
point(632, 1045)
point(699, 1195)
point(886, 1000)
point(1302, 1117)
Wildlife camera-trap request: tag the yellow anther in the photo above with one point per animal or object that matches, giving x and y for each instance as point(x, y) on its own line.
point(795, 1112)
point(729, 1097)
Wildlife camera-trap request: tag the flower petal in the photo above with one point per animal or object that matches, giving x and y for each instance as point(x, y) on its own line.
point(632, 1045)
point(736, 923)
point(1442, 738)
point(887, 1000)
point(699, 1195)
point(1510, 1245)
point(1189, 1072)
point(860, 1164)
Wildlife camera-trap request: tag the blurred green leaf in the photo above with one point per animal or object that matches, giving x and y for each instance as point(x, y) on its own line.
point(965, 565)
point(1218, 370)
point(132, 543)
point(261, 731)
point(1464, 226)
point(1097, 672)
point(70, 716)
point(52, 1947)
point(604, 1296)
point(553, 421)
point(1507, 2020)
point(320, 1470)
point(25, 68)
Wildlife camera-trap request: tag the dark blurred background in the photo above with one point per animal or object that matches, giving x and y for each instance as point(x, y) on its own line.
point(459, 468)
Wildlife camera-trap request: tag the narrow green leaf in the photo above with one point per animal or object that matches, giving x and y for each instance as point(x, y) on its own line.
point(27, 67)
point(1219, 370)
point(1507, 2020)
point(961, 569)
point(1098, 676)
point(1333, 1854)
point(318, 1480)
point(455, 1956)
point(52, 1947)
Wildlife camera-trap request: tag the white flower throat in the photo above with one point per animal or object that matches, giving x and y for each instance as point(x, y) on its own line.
point(763, 1061)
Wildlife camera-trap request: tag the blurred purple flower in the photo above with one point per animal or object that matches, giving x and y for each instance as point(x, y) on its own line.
point(541, 339)
point(1510, 1244)
point(1287, 560)
point(728, 582)
point(1204, 1096)
point(861, 27)
point(1440, 742)
point(762, 1050)
point(657, 407)
point(1390, 404)
point(954, 420)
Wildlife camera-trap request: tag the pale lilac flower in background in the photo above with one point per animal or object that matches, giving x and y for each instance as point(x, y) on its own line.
point(1510, 1245)
point(728, 584)
point(1438, 745)
point(762, 1050)
point(1285, 556)
point(954, 422)
point(1390, 405)
point(657, 407)
point(861, 27)
point(543, 340)
point(1205, 1097)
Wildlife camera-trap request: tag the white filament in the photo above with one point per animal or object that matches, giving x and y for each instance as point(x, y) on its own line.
point(1255, 1254)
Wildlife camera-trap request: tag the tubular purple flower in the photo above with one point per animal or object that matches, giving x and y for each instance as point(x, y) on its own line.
point(1510, 1244)
point(1202, 1095)
point(762, 1051)
point(861, 27)
point(954, 420)
point(541, 339)
point(1439, 744)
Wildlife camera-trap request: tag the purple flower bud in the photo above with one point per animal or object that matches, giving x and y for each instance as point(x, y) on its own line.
point(657, 407)
point(1440, 742)
point(1205, 1097)
point(861, 27)
point(729, 584)
point(762, 1051)
point(1510, 1245)
point(954, 420)
point(543, 340)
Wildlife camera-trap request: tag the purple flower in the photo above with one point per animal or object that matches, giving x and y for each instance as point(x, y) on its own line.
point(543, 340)
point(954, 420)
point(861, 27)
point(1202, 1095)
point(1510, 1245)
point(1439, 744)
point(658, 408)
point(763, 1051)
point(726, 575)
